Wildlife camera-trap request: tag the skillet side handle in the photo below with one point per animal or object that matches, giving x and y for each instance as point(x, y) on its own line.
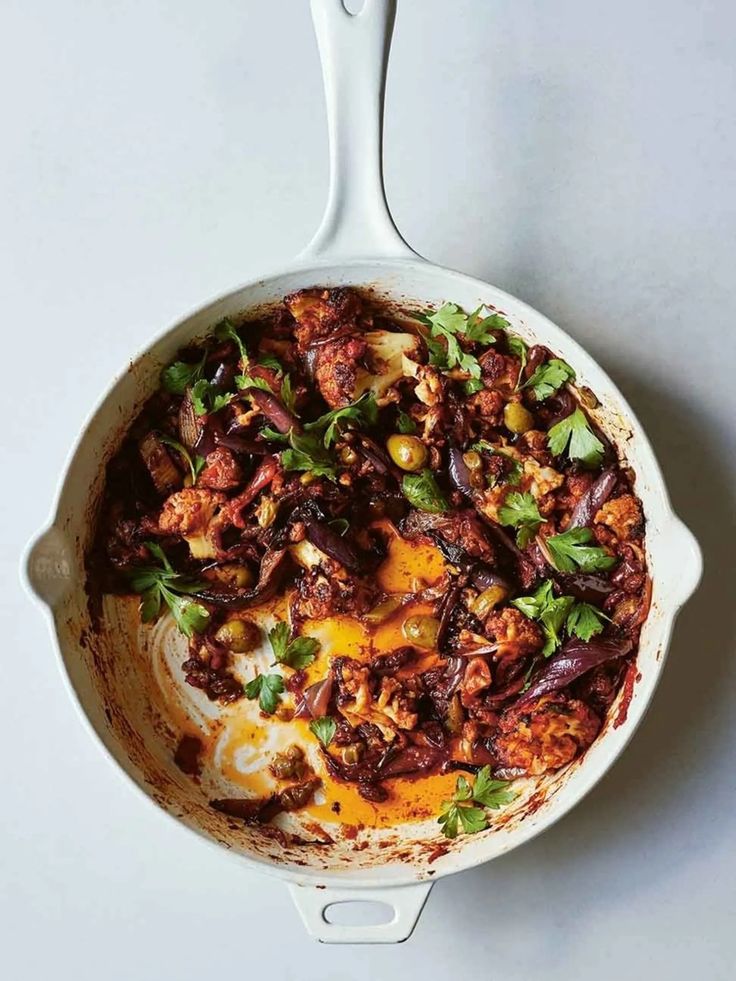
point(407, 903)
point(354, 53)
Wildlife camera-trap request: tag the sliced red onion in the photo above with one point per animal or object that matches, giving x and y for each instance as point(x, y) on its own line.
point(332, 544)
point(224, 377)
point(584, 586)
point(592, 500)
point(445, 612)
point(413, 759)
point(273, 567)
point(316, 698)
point(239, 444)
point(483, 577)
point(574, 659)
point(273, 409)
point(206, 442)
point(374, 454)
point(564, 405)
point(458, 471)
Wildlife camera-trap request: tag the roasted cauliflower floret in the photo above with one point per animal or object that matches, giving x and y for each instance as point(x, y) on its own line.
point(488, 406)
point(623, 516)
point(515, 635)
point(384, 358)
point(476, 679)
point(190, 513)
point(546, 734)
point(391, 709)
point(221, 472)
point(319, 313)
point(430, 388)
point(337, 367)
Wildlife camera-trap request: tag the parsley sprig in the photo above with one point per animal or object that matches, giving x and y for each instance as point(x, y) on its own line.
point(448, 324)
point(225, 331)
point(421, 491)
point(324, 729)
point(572, 550)
point(181, 375)
point(330, 426)
point(295, 652)
point(574, 434)
point(515, 469)
point(267, 688)
point(557, 613)
point(161, 585)
point(461, 812)
point(548, 377)
point(207, 398)
point(520, 511)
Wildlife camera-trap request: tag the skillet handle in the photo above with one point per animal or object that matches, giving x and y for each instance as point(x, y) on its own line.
point(354, 52)
point(407, 903)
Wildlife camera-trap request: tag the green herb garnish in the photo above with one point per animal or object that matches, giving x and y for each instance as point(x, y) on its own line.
point(572, 550)
point(520, 511)
point(421, 490)
point(324, 729)
point(181, 374)
point(405, 424)
point(160, 585)
point(460, 812)
point(554, 613)
point(364, 412)
point(207, 399)
point(267, 689)
point(225, 331)
point(574, 433)
point(295, 652)
point(549, 377)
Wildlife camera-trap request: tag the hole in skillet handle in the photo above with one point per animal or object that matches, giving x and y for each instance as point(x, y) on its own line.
point(353, 7)
point(358, 912)
point(378, 915)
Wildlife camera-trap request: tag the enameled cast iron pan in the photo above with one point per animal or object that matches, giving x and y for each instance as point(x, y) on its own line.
point(109, 667)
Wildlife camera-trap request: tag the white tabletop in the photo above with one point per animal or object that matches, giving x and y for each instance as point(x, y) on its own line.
point(580, 155)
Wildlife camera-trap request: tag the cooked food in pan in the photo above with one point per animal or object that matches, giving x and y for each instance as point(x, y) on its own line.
point(397, 546)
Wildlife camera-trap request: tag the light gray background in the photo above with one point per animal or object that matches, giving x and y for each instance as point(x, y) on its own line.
point(579, 154)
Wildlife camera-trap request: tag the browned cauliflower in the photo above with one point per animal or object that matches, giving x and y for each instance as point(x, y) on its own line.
point(336, 368)
point(516, 635)
point(546, 734)
point(394, 706)
point(189, 513)
point(623, 516)
point(319, 313)
point(476, 679)
point(221, 472)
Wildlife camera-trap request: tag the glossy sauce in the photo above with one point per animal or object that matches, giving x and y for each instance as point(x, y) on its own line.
point(241, 744)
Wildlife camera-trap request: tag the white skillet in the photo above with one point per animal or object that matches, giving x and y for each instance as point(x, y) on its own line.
point(356, 244)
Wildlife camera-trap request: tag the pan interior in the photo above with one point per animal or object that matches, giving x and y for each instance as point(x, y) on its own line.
point(123, 674)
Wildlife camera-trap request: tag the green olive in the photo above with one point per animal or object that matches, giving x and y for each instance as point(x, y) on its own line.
point(473, 460)
point(484, 603)
point(351, 754)
point(348, 456)
point(234, 575)
point(238, 635)
point(517, 418)
point(383, 610)
point(407, 452)
point(289, 764)
point(422, 630)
